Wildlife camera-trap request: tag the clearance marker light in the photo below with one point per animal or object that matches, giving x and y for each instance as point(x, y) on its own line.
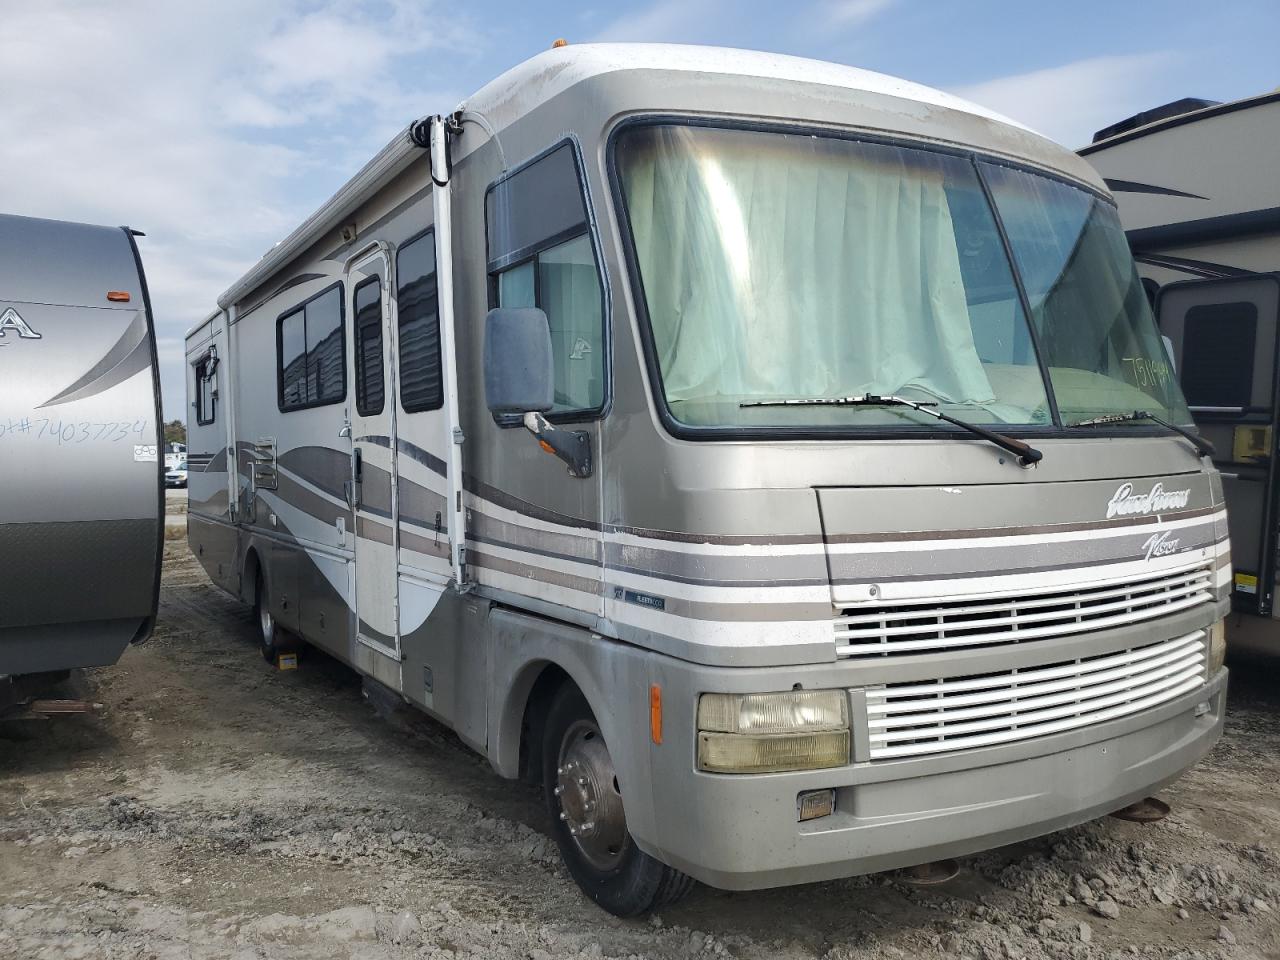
point(655, 713)
point(117, 296)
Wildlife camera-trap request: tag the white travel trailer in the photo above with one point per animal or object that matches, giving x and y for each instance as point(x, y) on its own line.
point(1199, 197)
point(829, 553)
point(80, 475)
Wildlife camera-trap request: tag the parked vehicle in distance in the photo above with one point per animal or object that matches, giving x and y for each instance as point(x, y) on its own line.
point(174, 454)
point(177, 477)
point(830, 551)
point(1200, 202)
point(81, 504)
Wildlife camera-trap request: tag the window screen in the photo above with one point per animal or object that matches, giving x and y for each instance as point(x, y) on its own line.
point(1217, 354)
point(206, 392)
point(540, 255)
point(417, 306)
point(312, 358)
point(369, 365)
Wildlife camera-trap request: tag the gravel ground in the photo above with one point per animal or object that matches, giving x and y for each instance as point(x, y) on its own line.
point(217, 808)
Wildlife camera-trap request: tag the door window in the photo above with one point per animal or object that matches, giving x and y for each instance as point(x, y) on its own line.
point(369, 364)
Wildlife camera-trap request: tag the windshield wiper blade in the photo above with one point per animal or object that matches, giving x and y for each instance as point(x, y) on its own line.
point(1203, 446)
point(1026, 454)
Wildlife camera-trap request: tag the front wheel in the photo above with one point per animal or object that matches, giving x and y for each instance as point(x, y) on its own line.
point(584, 799)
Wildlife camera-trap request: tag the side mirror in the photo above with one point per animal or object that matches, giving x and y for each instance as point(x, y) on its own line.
point(519, 376)
point(519, 379)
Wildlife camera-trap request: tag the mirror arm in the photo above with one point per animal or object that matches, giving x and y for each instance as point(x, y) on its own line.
point(571, 446)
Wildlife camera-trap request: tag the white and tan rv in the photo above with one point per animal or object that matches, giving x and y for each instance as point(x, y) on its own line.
point(1199, 197)
point(739, 446)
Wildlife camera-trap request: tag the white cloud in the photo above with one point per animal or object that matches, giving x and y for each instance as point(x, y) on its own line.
point(1069, 102)
point(667, 21)
point(852, 13)
point(213, 127)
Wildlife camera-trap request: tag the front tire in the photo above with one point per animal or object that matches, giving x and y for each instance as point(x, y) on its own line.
point(584, 799)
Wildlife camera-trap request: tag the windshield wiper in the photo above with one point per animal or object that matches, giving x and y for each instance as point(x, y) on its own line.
point(1026, 454)
point(1202, 445)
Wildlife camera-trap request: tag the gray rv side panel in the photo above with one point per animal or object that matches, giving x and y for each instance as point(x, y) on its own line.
point(81, 495)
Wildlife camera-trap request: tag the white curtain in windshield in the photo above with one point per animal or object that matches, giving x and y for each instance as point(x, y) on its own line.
point(791, 266)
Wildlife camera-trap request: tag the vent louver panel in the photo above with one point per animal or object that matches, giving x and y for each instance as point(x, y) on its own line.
point(914, 719)
point(922, 627)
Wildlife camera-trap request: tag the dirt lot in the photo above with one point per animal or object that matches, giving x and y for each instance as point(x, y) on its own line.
point(218, 808)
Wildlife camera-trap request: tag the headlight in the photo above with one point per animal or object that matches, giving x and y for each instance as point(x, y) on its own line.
point(1217, 647)
point(772, 732)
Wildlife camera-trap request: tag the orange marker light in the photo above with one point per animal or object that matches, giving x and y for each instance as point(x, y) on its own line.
point(548, 448)
point(655, 713)
point(118, 296)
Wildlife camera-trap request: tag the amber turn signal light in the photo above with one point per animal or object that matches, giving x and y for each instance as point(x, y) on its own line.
point(118, 296)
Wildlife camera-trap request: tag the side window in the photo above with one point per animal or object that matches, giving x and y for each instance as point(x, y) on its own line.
point(370, 386)
point(417, 310)
point(1217, 354)
point(206, 391)
point(311, 362)
point(540, 255)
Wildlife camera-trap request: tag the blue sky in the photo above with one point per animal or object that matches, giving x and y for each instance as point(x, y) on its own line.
point(216, 128)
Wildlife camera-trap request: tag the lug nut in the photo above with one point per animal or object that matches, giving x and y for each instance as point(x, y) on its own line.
point(582, 781)
point(563, 815)
point(558, 790)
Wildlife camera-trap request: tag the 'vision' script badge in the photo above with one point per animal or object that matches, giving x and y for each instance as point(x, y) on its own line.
point(12, 320)
point(1125, 503)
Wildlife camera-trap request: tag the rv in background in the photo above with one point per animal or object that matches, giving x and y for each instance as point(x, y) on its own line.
point(735, 444)
point(1199, 196)
point(81, 502)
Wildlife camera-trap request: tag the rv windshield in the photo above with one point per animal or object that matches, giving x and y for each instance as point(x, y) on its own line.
point(780, 265)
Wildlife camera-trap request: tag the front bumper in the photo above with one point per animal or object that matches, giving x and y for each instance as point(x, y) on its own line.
point(740, 832)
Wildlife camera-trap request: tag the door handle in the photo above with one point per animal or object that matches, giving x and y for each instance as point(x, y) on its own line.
point(357, 475)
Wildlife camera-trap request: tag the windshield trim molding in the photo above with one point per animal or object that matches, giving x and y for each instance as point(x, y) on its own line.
point(684, 431)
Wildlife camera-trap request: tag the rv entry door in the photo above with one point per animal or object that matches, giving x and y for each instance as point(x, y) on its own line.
point(1224, 347)
point(373, 458)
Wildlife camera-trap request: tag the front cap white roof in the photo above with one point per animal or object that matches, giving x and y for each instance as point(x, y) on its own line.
point(541, 77)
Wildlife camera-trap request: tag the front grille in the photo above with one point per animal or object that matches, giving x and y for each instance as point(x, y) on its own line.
point(955, 713)
point(925, 625)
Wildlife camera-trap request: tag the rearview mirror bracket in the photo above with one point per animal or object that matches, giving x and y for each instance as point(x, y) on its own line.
point(571, 446)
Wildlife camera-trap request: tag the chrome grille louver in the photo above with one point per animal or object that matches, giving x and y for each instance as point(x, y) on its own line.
point(956, 713)
point(928, 625)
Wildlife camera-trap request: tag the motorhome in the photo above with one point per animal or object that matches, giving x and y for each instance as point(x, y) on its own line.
point(1198, 196)
point(80, 474)
point(725, 441)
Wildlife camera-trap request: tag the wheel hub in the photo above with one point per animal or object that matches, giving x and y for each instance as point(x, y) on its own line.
point(590, 802)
